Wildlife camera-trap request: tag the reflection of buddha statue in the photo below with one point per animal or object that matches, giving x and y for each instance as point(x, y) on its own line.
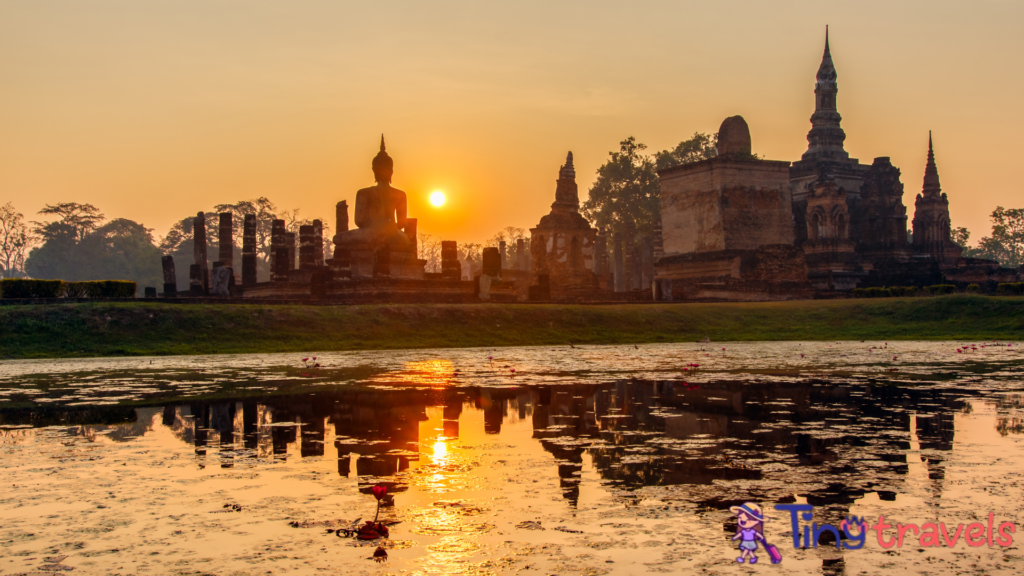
point(380, 214)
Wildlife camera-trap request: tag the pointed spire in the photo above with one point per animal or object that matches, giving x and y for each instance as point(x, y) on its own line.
point(382, 143)
point(827, 70)
point(931, 189)
point(825, 140)
point(568, 171)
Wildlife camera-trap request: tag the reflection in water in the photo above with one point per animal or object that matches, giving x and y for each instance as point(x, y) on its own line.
point(663, 451)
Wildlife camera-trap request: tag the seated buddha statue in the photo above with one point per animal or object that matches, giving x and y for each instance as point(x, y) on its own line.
point(381, 213)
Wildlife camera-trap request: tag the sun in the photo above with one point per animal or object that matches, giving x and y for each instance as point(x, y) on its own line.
point(437, 198)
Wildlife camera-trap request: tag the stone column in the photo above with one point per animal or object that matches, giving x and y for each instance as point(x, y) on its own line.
point(647, 263)
point(600, 254)
point(620, 278)
point(278, 239)
point(632, 280)
point(492, 263)
point(170, 280)
point(199, 251)
point(341, 217)
point(249, 251)
point(521, 263)
point(450, 267)
point(636, 270)
point(289, 242)
point(502, 248)
point(279, 271)
point(227, 242)
point(307, 256)
point(195, 280)
point(318, 243)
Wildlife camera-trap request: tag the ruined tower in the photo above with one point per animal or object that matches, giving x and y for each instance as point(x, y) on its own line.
point(562, 244)
point(932, 234)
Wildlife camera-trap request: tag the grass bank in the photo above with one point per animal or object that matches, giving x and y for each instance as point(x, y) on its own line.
point(119, 329)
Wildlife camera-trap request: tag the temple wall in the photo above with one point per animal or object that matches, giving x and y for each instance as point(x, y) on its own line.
point(722, 204)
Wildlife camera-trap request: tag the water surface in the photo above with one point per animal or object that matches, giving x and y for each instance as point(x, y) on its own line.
point(565, 460)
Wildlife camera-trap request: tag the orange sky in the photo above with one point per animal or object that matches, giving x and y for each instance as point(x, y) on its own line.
point(154, 110)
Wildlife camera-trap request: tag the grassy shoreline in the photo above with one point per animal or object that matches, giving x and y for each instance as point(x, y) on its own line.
point(140, 328)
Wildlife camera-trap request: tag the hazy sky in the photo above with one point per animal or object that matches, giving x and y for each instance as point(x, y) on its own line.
point(155, 109)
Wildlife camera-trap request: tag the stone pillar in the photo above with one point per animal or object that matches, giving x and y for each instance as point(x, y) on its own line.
point(277, 238)
point(341, 217)
point(227, 242)
point(289, 242)
point(620, 278)
point(484, 285)
point(279, 269)
point(647, 263)
point(195, 280)
point(199, 251)
point(636, 271)
point(631, 266)
point(249, 251)
point(318, 243)
point(600, 254)
point(492, 263)
point(170, 279)
point(521, 263)
point(450, 267)
point(502, 249)
point(307, 256)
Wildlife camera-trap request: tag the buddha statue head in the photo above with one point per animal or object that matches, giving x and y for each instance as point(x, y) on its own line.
point(383, 165)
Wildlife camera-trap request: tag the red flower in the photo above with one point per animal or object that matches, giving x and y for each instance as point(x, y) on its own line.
point(379, 491)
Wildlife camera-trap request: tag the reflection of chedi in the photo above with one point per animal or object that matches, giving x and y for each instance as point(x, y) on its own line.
point(381, 215)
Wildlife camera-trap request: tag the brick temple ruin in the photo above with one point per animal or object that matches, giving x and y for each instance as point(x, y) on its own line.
point(733, 227)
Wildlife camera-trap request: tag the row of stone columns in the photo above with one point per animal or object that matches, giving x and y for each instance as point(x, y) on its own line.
point(630, 263)
point(282, 251)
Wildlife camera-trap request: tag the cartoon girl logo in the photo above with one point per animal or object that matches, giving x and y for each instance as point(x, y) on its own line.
point(749, 531)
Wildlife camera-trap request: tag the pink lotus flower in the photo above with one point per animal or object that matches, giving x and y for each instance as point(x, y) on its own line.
point(304, 359)
point(513, 370)
point(379, 491)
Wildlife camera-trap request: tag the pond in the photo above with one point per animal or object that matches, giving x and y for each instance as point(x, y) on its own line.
point(565, 460)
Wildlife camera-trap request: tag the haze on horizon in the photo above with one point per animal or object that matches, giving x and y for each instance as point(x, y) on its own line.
point(155, 110)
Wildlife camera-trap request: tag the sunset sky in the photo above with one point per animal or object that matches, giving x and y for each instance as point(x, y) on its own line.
point(155, 109)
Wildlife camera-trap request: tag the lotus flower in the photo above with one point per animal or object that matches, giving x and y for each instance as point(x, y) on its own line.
point(304, 359)
point(379, 491)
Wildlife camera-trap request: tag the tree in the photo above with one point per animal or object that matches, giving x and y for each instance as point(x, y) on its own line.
point(1006, 244)
point(699, 147)
point(14, 242)
point(960, 236)
point(76, 219)
point(429, 249)
point(627, 191)
point(118, 250)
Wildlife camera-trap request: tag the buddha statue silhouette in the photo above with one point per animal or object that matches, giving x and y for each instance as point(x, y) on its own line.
point(381, 213)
